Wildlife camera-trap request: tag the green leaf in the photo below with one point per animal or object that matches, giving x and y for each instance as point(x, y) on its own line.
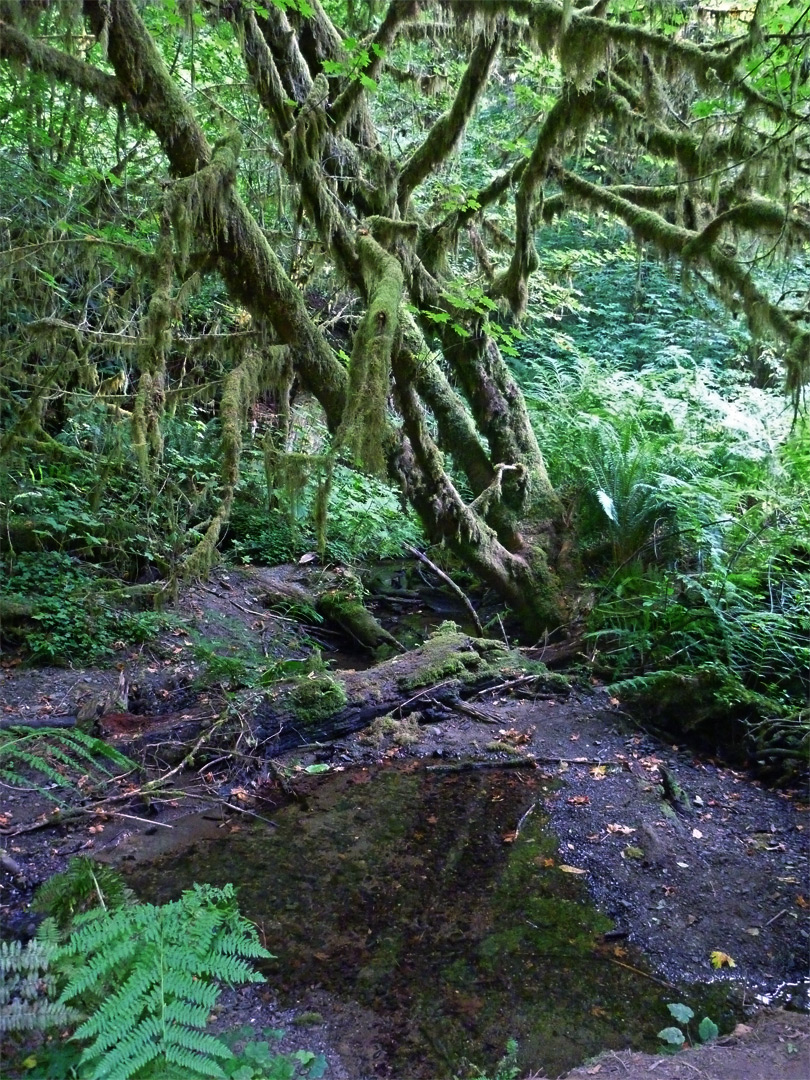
point(708, 1030)
point(672, 1035)
point(682, 1013)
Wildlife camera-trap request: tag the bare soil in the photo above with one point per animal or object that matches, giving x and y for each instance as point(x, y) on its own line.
point(722, 870)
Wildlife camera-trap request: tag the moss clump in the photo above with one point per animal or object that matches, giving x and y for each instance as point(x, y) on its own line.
point(308, 1019)
point(498, 746)
point(450, 655)
point(403, 732)
point(316, 698)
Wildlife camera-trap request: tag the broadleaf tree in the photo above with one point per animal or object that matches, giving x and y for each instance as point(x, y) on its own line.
point(412, 157)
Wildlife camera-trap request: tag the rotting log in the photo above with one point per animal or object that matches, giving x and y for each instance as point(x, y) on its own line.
point(329, 705)
point(335, 595)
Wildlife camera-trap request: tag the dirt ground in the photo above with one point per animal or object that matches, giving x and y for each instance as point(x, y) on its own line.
point(720, 871)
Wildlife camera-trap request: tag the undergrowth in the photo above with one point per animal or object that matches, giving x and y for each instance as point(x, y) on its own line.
point(687, 489)
point(134, 985)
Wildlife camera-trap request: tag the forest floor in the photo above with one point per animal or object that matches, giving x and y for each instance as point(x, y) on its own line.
point(726, 874)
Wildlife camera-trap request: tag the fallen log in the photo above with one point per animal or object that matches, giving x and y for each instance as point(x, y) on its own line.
point(322, 706)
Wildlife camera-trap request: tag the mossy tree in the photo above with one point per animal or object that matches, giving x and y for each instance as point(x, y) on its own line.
point(687, 124)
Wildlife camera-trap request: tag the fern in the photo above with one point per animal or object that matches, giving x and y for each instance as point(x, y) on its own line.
point(27, 987)
point(165, 964)
point(56, 757)
point(85, 884)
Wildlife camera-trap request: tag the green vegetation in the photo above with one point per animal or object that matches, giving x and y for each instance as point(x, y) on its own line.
point(55, 761)
point(136, 983)
point(674, 1037)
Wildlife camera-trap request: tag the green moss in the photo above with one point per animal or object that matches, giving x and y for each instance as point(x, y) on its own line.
point(308, 1019)
point(317, 697)
point(499, 747)
point(449, 654)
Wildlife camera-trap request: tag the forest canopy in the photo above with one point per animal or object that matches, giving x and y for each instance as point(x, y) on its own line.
point(206, 205)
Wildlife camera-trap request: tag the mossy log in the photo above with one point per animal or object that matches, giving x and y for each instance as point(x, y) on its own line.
point(336, 596)
point(14, 613)
point(328, 705)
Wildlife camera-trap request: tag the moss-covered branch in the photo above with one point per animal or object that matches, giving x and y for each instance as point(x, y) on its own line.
point(444, 136)
point(572, 108)
point(17, 46)
point(363, 431)
point(732, 277)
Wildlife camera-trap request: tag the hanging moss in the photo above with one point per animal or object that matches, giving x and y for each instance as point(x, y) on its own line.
point(363, 432)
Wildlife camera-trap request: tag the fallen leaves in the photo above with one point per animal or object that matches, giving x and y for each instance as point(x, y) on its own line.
point(721, 959)
point(515, 737)
point(619, 830)
point(566, 869)
point(578, 800)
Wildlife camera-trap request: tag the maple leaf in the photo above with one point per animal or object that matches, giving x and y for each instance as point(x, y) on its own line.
point(721, 959)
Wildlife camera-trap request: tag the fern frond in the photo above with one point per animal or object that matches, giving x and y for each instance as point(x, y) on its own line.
point(167, 964)
point(30, 756)
point(27, 988)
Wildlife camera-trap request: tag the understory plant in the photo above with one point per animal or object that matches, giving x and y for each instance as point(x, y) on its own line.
point(674, 1038)
point(56, 761)
point(137, 982)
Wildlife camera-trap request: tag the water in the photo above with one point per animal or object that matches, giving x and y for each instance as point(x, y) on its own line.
point(407, 891)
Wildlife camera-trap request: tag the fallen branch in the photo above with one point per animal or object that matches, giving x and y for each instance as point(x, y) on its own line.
point(470, 710)
point(451, 584)
point(470, 766)
point(37, 722)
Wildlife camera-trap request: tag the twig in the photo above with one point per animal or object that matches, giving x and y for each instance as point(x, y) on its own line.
point(784, 911)
point(470, 710)
point(209, 731)
point(614, 1054)
point(516, 682)
point(451, 584)
point(469, 766)
point(251, 813)
point(134, 817)
point(522, 821)
point(427, 690)
point(643, 974)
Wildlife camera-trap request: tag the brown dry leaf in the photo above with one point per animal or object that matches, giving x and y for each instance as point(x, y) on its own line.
point(599, 772)
point(619, 951)
point(432, 819)
point(698, 835)
point(574, 738)
point(802, 902)
point(742, 1029)
point(512, 735)
point(596, 1069)
point(620, 830)
point(578, 800)
point(509, 838)
point(566, 869)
